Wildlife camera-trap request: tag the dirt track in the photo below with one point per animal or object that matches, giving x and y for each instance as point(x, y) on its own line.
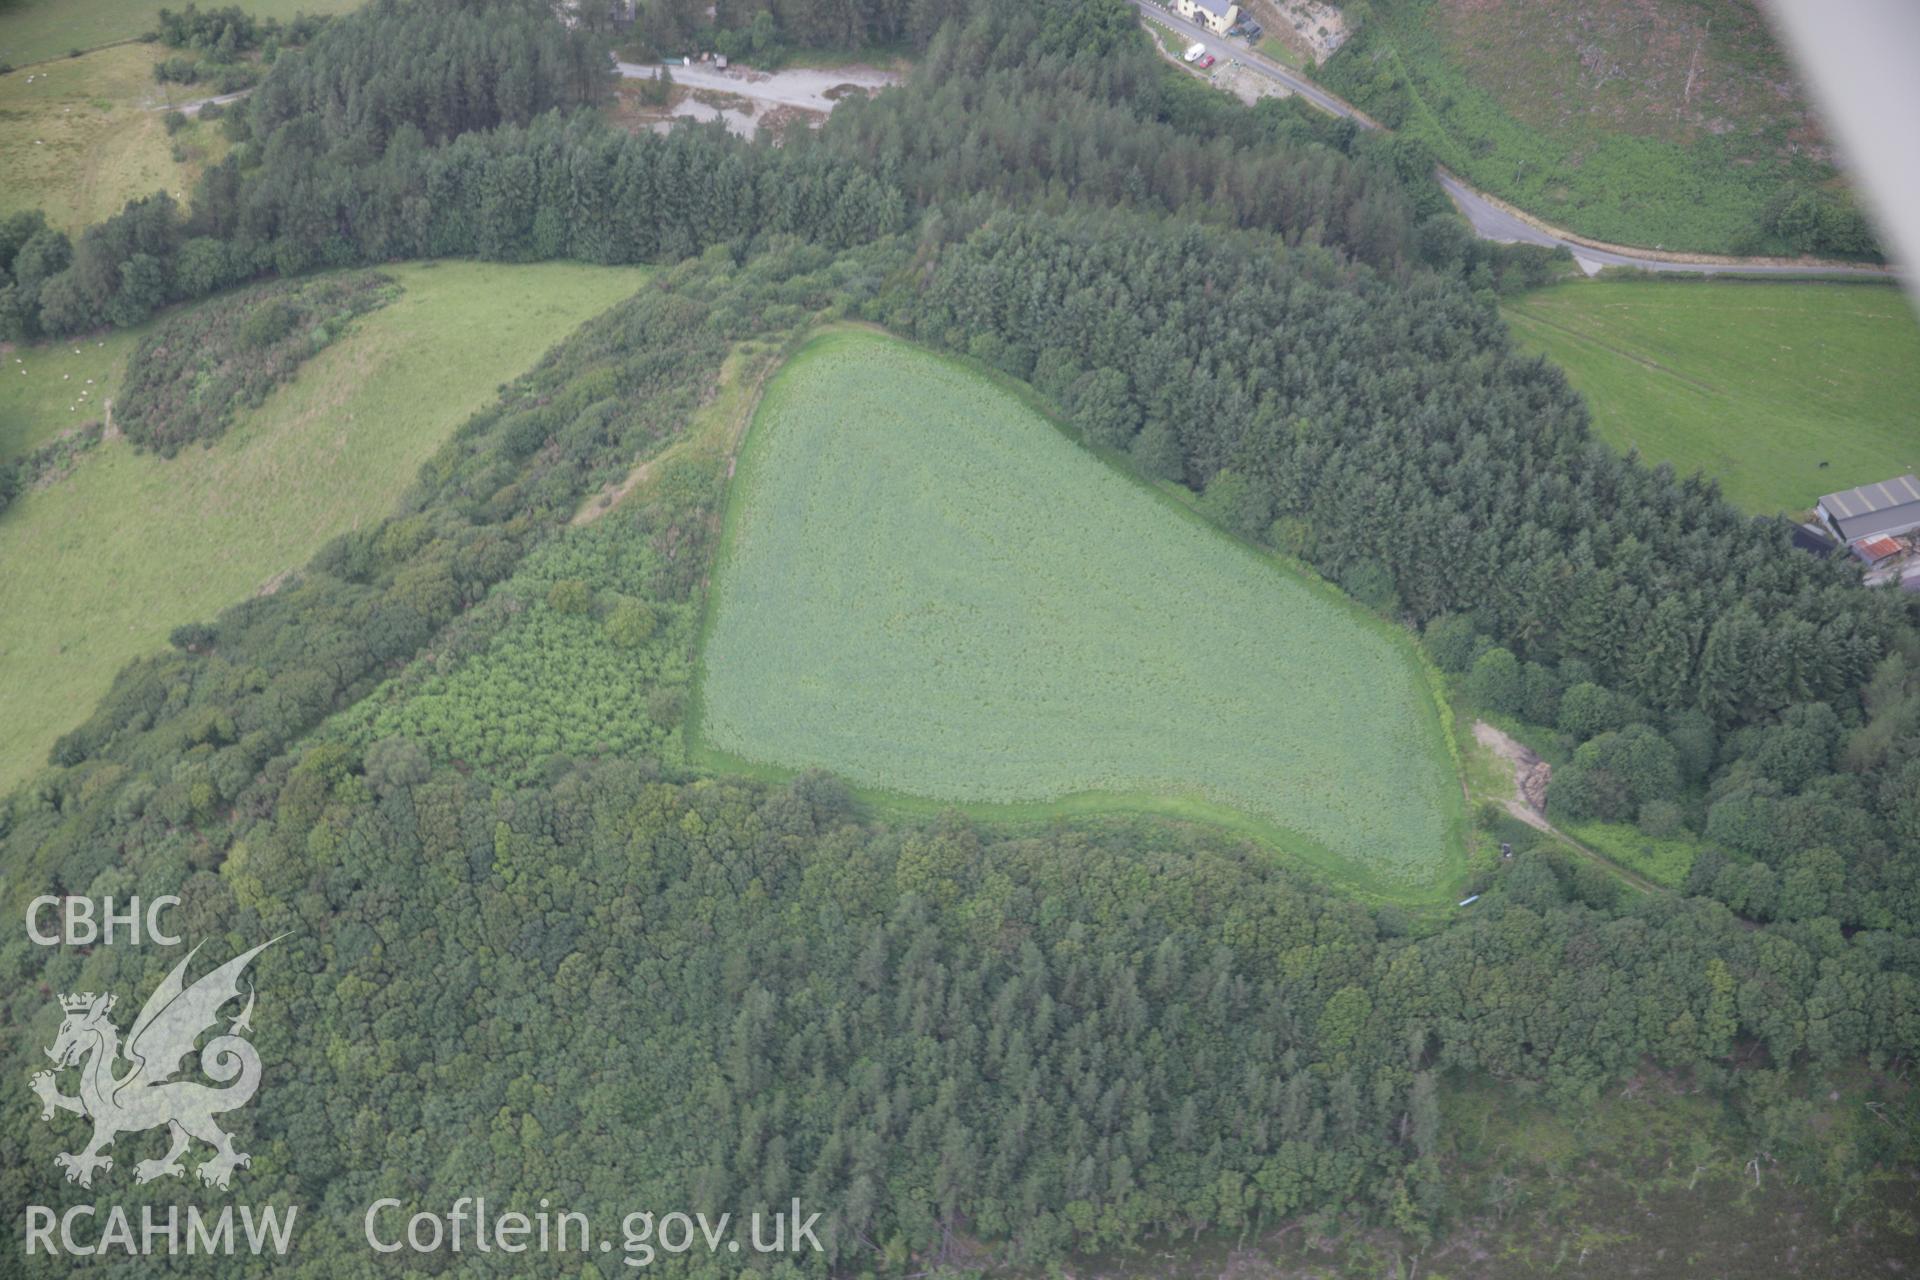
point(1529, 774)
point(1529, 800)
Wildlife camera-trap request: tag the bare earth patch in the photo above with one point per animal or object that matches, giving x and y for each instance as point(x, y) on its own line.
point(1320, 27)
point(1530, 774)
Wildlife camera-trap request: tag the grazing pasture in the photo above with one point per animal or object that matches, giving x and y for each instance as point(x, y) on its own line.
point(101, 565)
point(82, 136)
point(928, 589)
point(1757, 384)
point(41, 386)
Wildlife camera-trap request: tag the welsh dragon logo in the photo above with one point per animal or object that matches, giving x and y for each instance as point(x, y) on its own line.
point(146, 1095)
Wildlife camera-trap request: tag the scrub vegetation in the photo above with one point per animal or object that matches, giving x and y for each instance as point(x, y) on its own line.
point(185, 381)
point(191, 533)
point(1669, 123)
point(928, 589)
point(569, 657)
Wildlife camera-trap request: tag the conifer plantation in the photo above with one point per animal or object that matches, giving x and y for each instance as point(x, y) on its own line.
point(532, 942)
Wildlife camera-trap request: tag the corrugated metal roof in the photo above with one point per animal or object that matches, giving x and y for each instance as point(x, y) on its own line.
point(1891, 520)
point(1868, 498)
point(1877, 548)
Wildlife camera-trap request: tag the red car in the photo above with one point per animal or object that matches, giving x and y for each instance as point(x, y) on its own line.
point(1205, 60)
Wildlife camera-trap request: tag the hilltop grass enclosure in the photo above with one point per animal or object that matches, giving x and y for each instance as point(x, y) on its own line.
point(928, 589)
point(86, 592)
point(1757, 384)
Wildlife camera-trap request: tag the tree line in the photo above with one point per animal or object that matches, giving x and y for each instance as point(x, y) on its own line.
point(219, 46)
point(431, 129)
point(428, 128)
point(1328, 412)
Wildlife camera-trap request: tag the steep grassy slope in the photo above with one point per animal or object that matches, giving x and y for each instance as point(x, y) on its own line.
point(101, 565)
point(1659, 122)
point(1782, 392)
point(928, 589)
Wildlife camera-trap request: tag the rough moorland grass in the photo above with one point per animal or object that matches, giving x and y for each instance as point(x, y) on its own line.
point(1657, 1169)
point(33, 30)
point(1755, 384)
point(1657, 122)
point(101, 565)
point(929, 590)
point(89, 134)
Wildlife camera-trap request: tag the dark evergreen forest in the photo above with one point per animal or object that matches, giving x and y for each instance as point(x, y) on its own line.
point(608, 978)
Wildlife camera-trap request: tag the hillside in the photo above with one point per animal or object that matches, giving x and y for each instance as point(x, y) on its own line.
point(1675, 124)
point(930, 713)
point(207, 528)
point(40, 394)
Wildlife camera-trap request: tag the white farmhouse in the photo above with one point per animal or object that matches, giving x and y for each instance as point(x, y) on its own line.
point(1215, 15)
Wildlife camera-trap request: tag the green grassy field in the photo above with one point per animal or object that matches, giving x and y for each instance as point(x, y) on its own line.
point(929, 590)
point(1656, 122)
point(82, 136)
point(1280, 51)
point(40, 387)
point(99, 567)
point(1755, 384)
point(35, 30)
point(1665, 860)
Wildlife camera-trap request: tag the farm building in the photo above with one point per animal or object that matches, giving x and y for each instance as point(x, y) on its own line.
point(1877, 548)
point(1812, 541)
point(1885, 510)
point(1810, 538)
point(1215, 15)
